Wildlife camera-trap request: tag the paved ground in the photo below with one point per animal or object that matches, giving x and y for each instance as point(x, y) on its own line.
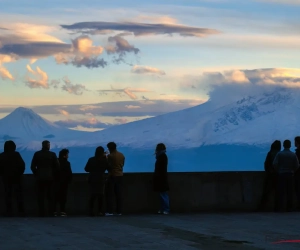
point(200, 231)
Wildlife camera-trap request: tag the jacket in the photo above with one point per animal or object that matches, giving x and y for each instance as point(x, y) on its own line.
point(116, 161)
point(45, 165)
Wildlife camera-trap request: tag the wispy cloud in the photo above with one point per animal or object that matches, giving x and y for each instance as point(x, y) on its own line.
point(75, 89)
point(86, 123)
point(130, 92)
point(119, 45)
point(286, 2)
point(40, 79)
point(147, 70)
point(132, 107)
point(63, 112)
point(141, 29)
point(5, 74)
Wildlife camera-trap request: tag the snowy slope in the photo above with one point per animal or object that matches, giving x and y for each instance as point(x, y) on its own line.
point(29, 129)
point(253, 120)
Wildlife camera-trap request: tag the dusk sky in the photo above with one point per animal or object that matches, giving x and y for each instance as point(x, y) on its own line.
point(93, 64)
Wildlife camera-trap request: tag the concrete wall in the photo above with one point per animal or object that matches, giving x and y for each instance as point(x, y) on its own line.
point(190, 192)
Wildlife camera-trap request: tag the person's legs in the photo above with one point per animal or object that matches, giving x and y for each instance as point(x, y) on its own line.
point(280, 192)
point(267, 189)
point(41, 197)
point(297, 189)
point(8, 189)
point(91, 203)
point(50, 197)
point(63, 197)
point(290, 191)
point(164, 201)
point(119, 193)
point(109, 195)
point(100, 203)
point(19, 197)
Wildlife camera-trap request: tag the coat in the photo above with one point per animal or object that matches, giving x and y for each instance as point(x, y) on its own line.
point(64, 175)
point(160, 176)
point(96, 168)
point(44, 165)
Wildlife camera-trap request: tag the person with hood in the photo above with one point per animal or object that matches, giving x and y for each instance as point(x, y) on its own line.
point(297, 174)
point(270, 175)
point(62, 180)
point(96, 167)
point(45, 166)
point(12, 167)
point(160, 178)
point(116, 161)
point(285, 164)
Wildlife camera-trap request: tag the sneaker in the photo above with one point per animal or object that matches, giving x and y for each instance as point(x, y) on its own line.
point(63, 214)
point(165, 212)
point(159, 212)
point(100, 214)
point(119, 214)
point(55, 214)
point(109, 214)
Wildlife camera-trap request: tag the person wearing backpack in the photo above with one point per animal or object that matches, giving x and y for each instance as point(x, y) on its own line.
point(270, 175)
point(12, 167)
point(45, 166)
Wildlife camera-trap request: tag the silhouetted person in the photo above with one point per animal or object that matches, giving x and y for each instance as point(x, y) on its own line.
point(96, 167)
point(12, 168)
point(270, 174)
point(285, 164)
point(116, 161)
point(297, 174)
point(160, 178)
point(45, 166)
point(62, 180)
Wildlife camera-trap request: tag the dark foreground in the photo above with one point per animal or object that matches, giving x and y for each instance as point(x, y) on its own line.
point(199, 231)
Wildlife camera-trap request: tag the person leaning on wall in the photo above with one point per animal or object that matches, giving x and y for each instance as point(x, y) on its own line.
point(160, 178)
point(12, 168)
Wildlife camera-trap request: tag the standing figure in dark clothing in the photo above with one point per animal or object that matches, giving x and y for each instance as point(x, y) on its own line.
point(297, 174)
point(45, 166)
point(116, 161)
point(160, 178)
point(286, 164)
point(12, 168)
point(96, 167)
point(270, 175)
point(62, 181)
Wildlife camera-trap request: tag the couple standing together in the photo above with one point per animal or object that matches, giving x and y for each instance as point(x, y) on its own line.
point(114, 163)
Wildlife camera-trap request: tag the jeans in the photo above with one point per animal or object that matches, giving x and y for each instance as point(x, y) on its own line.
point(284, 191)
point(61, 193)
point(269, 188)
point(114, 186)
point(164, 202)
point(10, 188)
point(45, 190)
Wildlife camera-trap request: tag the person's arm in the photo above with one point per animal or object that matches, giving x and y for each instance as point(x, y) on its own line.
point(87, 167)
point(267, 163)
point(20, 163)
point(33, 164)
point(70, 172)
point(276, 162)
point(296, 163)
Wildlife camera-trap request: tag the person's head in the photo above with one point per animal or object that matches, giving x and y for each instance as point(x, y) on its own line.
point(64, 154)
point(287, 144)
point(297, 141)
point(9, 146)
point(276, 145)
point(99, 151)
point(46, 145)
point(112, 146)
point(160, 147)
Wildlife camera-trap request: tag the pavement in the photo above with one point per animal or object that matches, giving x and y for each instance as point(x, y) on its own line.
point(174, 231)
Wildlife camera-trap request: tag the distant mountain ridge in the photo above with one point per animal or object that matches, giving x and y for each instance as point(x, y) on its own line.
point(251, 120)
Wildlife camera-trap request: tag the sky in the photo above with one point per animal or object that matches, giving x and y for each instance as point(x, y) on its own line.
point(89, 65)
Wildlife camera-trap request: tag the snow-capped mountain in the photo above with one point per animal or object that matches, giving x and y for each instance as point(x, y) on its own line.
point(252, 120)
point(28, 129)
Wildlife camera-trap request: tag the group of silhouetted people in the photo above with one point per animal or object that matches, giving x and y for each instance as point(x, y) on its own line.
point(53, 176)
point(282, 176)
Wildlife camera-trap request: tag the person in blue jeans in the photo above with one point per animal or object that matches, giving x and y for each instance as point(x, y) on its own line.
point(160, 178)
